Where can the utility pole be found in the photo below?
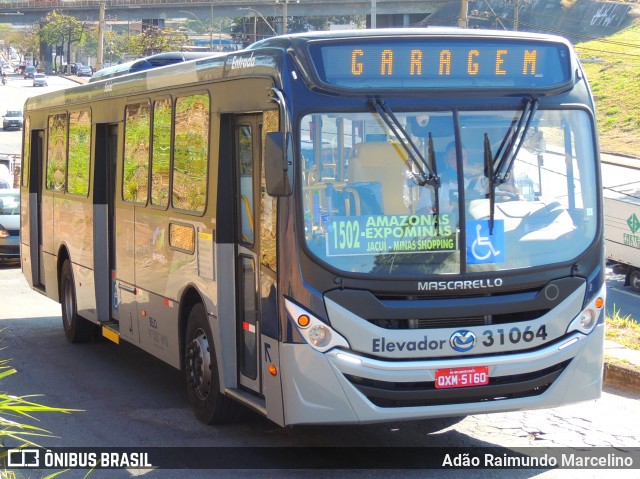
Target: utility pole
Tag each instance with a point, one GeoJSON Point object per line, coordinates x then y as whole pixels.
{"type": "Point", "coordinates": [516, 14]}
{"type": "Point", "coordinates": [255, 28]}
{"type": "Point", "coordinates": [100, 53]}
{"type": "Point", "coordinates": [374, 14]}
{"type": "Point", "coordinates": [211, 29]}
{"type": "Point", "coordinates": [284, 17]}
{"type": "Point", "coordinates": [463, 20]}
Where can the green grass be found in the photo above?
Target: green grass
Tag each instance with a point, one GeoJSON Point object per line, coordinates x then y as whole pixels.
{"type": "Point", "coordinates": [615, 82]}
{"type": "Point", "coordinates": [623, 330]}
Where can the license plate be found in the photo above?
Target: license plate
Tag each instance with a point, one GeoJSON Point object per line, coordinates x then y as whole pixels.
{"type": "Point", "coordinates": [462, 377]}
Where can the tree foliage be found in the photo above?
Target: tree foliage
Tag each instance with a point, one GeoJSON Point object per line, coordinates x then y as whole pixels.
{"type": "Point", "coordinates": [24, 41]}
{"type": "Point", "coordinates": [154, 40]}
{"type": "Point", "coordinates": [62, 30]}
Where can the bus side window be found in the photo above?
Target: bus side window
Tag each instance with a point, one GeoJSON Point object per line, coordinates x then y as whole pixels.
{"type": "Point", "coordinates": [191, 153]}
{"type": "Point", "coordinates": [137, 129]}
{"type": "Point", "coordinates": [161, 152]}
{"type": "Point", "coordinates": [57, 152]}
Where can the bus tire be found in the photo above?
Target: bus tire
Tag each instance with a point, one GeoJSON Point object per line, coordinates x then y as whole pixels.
{"type": "Point", "coordinates": [76, 328]}
{"type": "Point", "coordinates": [201, 373]}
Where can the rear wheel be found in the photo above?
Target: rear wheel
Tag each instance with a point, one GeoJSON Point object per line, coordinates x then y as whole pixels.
{"type": "Point", "coordinates": [634, 279]}
{"type": "Point", "coordinates": [201, 370]}
{"type": "Point", "coordinates": [76, 328]}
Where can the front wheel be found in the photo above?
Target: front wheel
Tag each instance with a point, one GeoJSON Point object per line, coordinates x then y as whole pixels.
{"type": "Point", "coordinates": [76, 328]}
{"type": "Point", "coordinates": [201, 371]}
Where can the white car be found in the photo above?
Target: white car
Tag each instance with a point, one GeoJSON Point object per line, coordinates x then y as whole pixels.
{"type": "Point", "coordinates": [9, 224]}
{"type": "Point", "coordinates": [12, 119]}
{"type": "Point", "coordinates": [40, 79]}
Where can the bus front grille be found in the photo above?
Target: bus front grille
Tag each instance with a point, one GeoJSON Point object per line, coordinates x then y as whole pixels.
{"type": "Point", "coordinates": [402, 394]}
{"type": "Point", "coordinates": [459, 322]}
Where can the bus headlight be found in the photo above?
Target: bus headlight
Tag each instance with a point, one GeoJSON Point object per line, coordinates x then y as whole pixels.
{"type": "Point", "coordinates": [589, 316]}
{"type": "Point", "coordinates": [319, 335]}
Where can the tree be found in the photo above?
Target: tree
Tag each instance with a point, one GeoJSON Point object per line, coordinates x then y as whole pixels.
{"type": "Point", "coordinates": [155, 40]}
{"type": "Point", "coordinates": [25, 42]}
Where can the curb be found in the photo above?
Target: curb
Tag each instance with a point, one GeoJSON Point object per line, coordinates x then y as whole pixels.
{"type": "Point", "coordinates": [621, 376]}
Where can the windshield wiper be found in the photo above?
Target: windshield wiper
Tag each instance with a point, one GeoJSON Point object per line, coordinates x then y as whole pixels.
{"type": "Point", "coordinates": [423, 172]}
{"type": "Point", "coordinates": [498, 169]}
{"type": "Point", "coordinates": [512, 142]}
{"type": "Point", "coordinates": [434, 169]}
{"type": "Point", "coordinates": [490, 174]}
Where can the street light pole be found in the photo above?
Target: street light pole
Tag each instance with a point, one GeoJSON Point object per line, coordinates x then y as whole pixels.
{"type": "Point", "coordinates": [210, 29]}
{"type": "Point", "coordinates": [100, 52]}
{"type": "Point", "coordinates": [261, 16]}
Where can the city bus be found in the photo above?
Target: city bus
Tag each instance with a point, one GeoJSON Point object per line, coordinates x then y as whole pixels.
{"type": "Point", "coordinates": [341, 227]}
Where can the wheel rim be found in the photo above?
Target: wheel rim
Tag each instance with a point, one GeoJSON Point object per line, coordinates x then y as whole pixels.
{"type": "Point", "coordinates": [198, 365]}
{"type": "Point", "coordinates": [67, 290]}
{"type": "Point", "coordinates": [635, 281]}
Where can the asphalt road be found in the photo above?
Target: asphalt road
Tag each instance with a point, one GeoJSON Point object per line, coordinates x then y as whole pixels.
{"type": "Point", "coordinates": [128, 399]}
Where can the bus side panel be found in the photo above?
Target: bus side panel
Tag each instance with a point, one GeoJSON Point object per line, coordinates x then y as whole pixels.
{"type": "Point", "coordinates": [272, 383]}
{"type": "Point", "coordinates": [73, 229]}
{"type": "Point", "coordinates": [27, 209]}
{"type": "Point", "coordinates": [158, 327]}
{"type": "Point", "coordinates": [125, 241]}
{"type": "Point", "coordinates": [85, 292]}
{"type": "Point", "coordinates": [49, 250]}
{"type": "Point", "coordinates": [225, 333]}
{"type": "Point", "coordinates": [164, 266]}
{"type": "Point", "coordinates": [101, 274]}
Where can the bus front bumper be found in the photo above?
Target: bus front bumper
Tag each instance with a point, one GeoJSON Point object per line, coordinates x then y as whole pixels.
{"type": "Point", "coordinates": [341, 387]}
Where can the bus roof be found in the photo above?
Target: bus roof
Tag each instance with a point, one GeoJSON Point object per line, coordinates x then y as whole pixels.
{"type": "Point", "coordinates": [146, 63]}
{"type": "Point", "coordinates": [264, 58]}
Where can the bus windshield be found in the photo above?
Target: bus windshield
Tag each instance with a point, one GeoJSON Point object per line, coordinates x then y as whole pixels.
{"type": "Point", "coordinates": [365, 209]}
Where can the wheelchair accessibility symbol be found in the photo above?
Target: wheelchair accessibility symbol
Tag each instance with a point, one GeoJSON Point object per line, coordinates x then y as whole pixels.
{"type": "Point", "coordinates": [483, 247]}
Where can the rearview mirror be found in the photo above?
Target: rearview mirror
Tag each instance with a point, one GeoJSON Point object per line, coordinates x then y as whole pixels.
{"type": "Point", "coordinates": [534, 142]}
{"type": "Point", "coordinates": [276, 164]}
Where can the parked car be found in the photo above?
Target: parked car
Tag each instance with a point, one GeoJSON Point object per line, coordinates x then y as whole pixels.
{"type": "Point", "coordinates": [6, 178]}
{"type": "Point", "coordinates": [40, 79]}
{"type": "Point", "coordinates": [7, 167]}
{"type": "Point", "coordinates": [9, 223]}
{"type": "Point", "coordinates": [85, 71]}
{"type": "Point", "coordinates": [29, 72]}
{"type": "Point", "coordinates": [12, 119]}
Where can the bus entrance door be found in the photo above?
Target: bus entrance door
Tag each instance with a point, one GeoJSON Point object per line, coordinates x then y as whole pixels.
{"type": "Point", "coordinates": [35, 209]}
{"type": "Point", "coordinates": [247, 168]}
{"type": "Point", "coordinates": [103, 223]}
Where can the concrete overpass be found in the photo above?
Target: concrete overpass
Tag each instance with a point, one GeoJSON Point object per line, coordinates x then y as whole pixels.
{"type": "Point", "coordinates": [388, 12]}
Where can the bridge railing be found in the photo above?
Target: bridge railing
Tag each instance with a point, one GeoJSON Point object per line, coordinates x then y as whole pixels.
{"type": "Point", "coordinates": [66, 4]}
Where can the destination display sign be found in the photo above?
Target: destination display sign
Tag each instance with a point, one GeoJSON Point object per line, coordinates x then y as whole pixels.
{"type": "Point", "coordinates": [394, 234]}
{"type": "Point", "coordinates": [439, 63]}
